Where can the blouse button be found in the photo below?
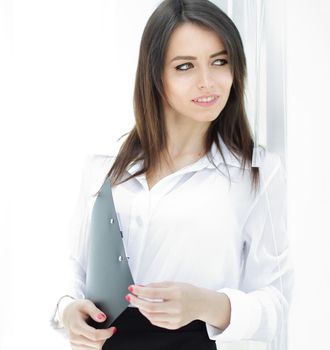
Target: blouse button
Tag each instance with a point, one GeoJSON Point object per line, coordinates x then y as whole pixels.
{"type": "Point", "coordinates": [139, 220]}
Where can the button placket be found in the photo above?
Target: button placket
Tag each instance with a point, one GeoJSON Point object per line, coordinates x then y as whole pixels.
{"type": "Point", "coordinates": [139, 221]}
{"type": "Point", "coordinates": [140, 213]}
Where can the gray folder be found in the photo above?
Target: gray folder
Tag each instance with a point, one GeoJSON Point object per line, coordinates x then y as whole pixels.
{"type": "Point", "coordinates": [108, 274]}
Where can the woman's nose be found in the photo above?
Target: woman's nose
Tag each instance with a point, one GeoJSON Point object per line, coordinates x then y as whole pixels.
{"type": "Point", "coordinates": [205, 79]}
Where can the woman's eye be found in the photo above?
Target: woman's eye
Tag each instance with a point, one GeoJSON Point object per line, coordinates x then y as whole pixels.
{"type": "Point", "coordinates": [179, 68]}
{"type": "Point", "coordinates": [223, 62]}
{"type": "Point", "coordinates": [182, 65]}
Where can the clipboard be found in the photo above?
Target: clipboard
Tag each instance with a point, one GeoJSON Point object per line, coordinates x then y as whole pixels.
{"type": "Point", "coordinates": [107, 274]}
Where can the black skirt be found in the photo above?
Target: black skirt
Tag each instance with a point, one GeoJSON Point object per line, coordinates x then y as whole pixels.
{"type": "Point", "coordinates": [135, 331]}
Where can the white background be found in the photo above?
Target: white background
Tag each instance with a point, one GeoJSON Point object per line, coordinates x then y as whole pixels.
{"type": "Point", "coordinates": [67, 71]}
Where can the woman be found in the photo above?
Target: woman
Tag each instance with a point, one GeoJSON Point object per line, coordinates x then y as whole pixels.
{"type": "Point", "coordinates": [216, 255]}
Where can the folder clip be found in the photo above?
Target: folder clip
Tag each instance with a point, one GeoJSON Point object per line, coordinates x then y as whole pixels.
{"type": "Point", "coordinates": [121, 258]}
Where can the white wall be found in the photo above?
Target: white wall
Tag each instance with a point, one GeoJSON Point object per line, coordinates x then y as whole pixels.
{"type": "Point", "coordinates": [64, 92]}
{"type": "Point", "coordinates": [309, 170]}
{"type": "Point", "coordinates": [66, 83]}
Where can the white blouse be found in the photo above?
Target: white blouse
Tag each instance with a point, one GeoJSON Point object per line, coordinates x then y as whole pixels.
{"type": "Point", "coordinates": [194, 227]}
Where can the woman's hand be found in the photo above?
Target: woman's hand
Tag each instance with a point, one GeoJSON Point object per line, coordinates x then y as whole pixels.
{"type": "Point", "coordinates": [182, 303]}
{"type": "Point", "coordinates": [81, 335]}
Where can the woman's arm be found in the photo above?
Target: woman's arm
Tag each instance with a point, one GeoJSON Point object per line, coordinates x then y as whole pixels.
{"type": "Point", "coordinates": [94, 169]}
{"type": "Point", "coordinates": [257, 309]}
{"type": "Point", "coordinates": [215, 308]}
{"type": "Point", "coordinates": [260, 306]}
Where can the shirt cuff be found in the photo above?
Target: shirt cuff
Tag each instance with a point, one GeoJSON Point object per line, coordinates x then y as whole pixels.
{"type": "Point", "coordinates": [57, 318]}
{"type": "Point", "coordinates": [62, 305]}
{"type": "Point", "coordinates": [245, 317]}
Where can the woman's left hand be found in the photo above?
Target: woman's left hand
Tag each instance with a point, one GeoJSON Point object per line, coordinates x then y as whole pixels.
{"type": "Point", "coordinates": [181, 303]}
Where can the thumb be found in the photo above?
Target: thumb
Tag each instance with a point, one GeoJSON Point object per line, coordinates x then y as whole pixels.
{"type": "Point", "coordinates": [95, 313]}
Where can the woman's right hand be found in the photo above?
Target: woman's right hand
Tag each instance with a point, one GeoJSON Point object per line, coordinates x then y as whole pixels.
{"type": "Point", "coordinates": [81, 335]}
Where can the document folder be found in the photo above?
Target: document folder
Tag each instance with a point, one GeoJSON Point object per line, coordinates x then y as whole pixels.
{"type": "Point", "coordinates": [107, 274]}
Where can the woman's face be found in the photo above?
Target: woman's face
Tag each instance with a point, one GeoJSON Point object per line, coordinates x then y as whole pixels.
{"type": "Point", "coordinates": [188, 78]}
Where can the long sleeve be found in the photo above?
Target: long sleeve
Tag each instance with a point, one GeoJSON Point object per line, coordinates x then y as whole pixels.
{"type": "Point", "coordinates": [260, 307]}
{"type": "Point", "coordinates": [75, 274]}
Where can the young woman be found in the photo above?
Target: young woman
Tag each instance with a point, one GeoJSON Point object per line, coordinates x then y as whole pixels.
{"type": "Point", "coordinates": [205, 231]}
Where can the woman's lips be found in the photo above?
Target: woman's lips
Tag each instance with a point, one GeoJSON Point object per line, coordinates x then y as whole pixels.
{"type": "Point", "coordinates": [206, 104]}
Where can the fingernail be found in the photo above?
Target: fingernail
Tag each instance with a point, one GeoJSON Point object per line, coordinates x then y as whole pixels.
{"type": "Point", "coordinates": [130, 288]}
{"type": "Point", "coordinates": [114, 330]}
{"type": "Point", "coordinates": [100, 316]}
{"type": "Point", "coordinates": [128, 298]}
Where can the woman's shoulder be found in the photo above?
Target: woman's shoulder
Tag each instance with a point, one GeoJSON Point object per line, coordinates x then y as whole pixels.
{"type": "Point", "coordinates": [272, 167]}
{"type": "Point", "coordinates": [95, 168]}
{"type": "Point", "coordinates": [268, 160]}
{"type": "Point", "coordinates": [97, 165]}
{"type": "Point", "coordinates": [97, 159]}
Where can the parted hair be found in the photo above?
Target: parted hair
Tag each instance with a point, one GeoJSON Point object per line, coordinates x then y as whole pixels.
{"type": "Point", "coordinates": [147, 139]}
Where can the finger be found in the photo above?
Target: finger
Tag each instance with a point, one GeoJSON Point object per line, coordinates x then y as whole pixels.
{"type": "Point", "coordinates": [80, 342]}
{"type": "Point", "coordinates": [77, 339]}
{"type": "Point", "coordinates": [89, 308]}
{"type": "Point", "coordinates": [82, 347]}
{"type": "Point", "coordinates": [166, 325]}
{"type": "Point", "coordinates": [168, 307]}
{"type": "Point", "coordinates": [161, 293]}
{"type": "Point", "coordinates": [160, 317]}
{"type": "Point", "coordinates": [164, 284]}
{"type": "Point", "coordinates": [159, 321]}
{"type": "Point", "coordinates": [82, 328]}
{"type": "Point", "coordinates": [152, 307]}
{"type": "Point", "coordinates": [145, 305]}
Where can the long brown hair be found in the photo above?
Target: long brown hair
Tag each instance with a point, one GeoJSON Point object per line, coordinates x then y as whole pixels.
{"type": "Point", "coordinates": [147, 139]}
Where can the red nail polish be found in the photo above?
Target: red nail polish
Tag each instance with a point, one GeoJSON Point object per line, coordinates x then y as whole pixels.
{"type": "Point", "coordinates": [114, 330]}
{"type": "Point", "coordinates": [130, 288]}
{"type": "Point", "coordinates": [128, 298]}
{"type": "Point", "coordinates": [100, 316]}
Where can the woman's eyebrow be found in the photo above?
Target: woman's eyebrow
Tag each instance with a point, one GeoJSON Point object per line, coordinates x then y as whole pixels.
{"type": "Point", "coordinates": [223, 52]}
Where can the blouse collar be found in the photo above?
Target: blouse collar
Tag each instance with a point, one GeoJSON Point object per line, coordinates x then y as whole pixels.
{"type": "Point", "coordinates": [203, 162]}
